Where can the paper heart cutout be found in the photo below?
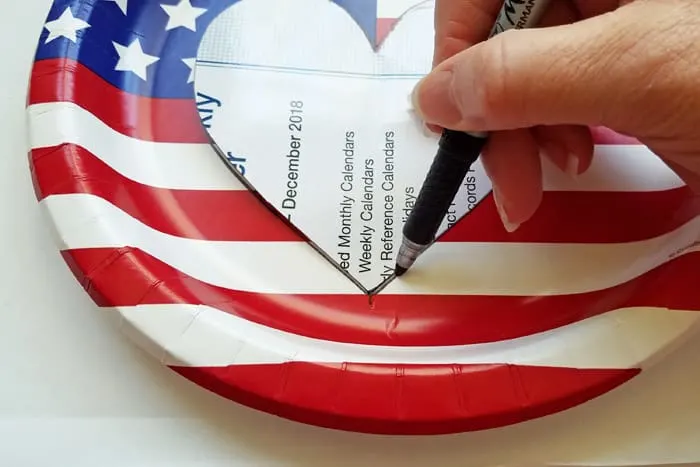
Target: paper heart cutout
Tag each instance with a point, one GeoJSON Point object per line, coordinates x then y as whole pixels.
{"type": "Point", "coordinates": [321, 126]}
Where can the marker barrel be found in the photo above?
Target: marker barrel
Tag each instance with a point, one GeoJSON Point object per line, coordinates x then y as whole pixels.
{"type": "Point", "coordinates": [456, 154]}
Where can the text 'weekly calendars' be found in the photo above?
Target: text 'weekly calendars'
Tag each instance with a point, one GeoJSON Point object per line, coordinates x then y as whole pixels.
{"type": "Point", "coordinates": [321, 125]}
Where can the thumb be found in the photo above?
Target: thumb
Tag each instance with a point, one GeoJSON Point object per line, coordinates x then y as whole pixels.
{"type": "Point", "coordinates": [593, 72]}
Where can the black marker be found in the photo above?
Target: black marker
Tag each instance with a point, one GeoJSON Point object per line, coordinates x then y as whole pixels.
{"type": "Point", "coordinates": [457, 151]}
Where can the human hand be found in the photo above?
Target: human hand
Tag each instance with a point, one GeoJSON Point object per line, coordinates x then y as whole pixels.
{"type": "Point", "coordinates": [632, 66]}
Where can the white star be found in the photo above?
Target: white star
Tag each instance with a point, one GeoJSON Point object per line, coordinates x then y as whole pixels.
{"type": "Point", "coordinates": [182, 15]}
{"type": "Point", "coordinates": [66, 26]}
{"type": "Point", "coordinates": [190, 64]}
{"type": "Point", "coordinates": [121, 4]}
{"type": "Point", "coordinates": [133, 59]}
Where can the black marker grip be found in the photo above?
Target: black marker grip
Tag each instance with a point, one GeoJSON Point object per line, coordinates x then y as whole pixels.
{"type": "Point", "coordinates": [456, 153]}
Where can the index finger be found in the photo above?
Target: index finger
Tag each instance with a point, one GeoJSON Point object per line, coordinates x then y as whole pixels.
{"type": "Point", "coordinates": [459, 24]}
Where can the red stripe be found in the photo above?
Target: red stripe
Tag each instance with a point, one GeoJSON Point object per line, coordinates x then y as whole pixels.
{"type": "Point", "coordinates": [166, 120]}
{"type": "Point", "coordinates": [129, 277]}
{"type": "Point", "coordinates": [198, 214]}
{"type": "Point", "coordinates": [407, 399]}
{"type": "Point", "coordinates": [564, 217]}
{"type": "Point", "coordinates": [584, 217]}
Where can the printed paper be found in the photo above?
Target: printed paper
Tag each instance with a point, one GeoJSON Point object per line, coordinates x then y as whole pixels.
{"type": "Point", "coordinates": [321, 124]}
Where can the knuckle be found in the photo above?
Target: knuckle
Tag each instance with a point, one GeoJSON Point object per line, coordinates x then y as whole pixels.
{"type": "Point", "coordinates": [494, 91]}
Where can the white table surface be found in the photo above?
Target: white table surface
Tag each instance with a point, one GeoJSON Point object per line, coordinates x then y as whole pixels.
{"type": "Point", "coordinates": [74, 391]}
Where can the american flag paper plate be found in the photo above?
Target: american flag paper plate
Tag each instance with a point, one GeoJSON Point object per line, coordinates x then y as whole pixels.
{"type": "Point", "coordinates": [598, 286]}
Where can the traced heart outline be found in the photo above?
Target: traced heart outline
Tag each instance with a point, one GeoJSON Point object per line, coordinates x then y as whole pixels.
{"type": "Point", "coordinates": [383, 25]}
{"type": "Point", "coordinates": [375, 55]}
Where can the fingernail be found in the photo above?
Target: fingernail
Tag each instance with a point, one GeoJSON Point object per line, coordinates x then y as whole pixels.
{"type": "Point", "coordinates": [432, 98]}
{"type": "Point", "coordinates": [509, 226]}
{"type": "Point", "coordinates": [572, 165]}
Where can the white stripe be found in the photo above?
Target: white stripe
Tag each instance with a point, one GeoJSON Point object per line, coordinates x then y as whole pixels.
{"type": "Point", "coordinates": [197, 166]}
{"type": "Point", "coordinates": [86, 221]}
{"type": "Point", "coordinates": [193, 335]}
{"type": "Point", "coordinates": [165, 165]}
{"type": "Point", "coordinates": [540, 269]}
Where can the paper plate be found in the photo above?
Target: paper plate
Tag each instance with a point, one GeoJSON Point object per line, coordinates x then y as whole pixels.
{"type": "Point", "coordinates": [490, 329]}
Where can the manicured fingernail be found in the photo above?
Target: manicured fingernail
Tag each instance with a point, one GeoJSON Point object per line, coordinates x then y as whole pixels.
{"type": "Point", "coordinates": [433, 101]}
{"type": "Point", "coordinates": [572, 165]}
{"type": "Point", "coordinates": [509, 226]}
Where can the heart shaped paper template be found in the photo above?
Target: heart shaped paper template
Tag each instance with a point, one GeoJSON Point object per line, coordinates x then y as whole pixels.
{"type": "Point", "coordinates": [318, 121]}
